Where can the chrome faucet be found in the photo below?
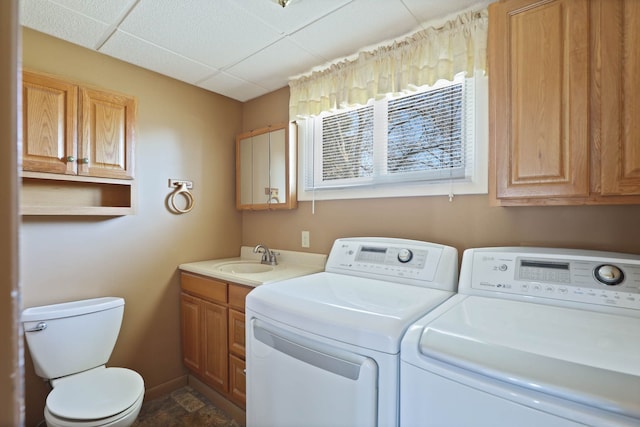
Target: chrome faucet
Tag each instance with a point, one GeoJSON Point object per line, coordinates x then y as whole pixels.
{"type": "Point", "coordinates": [268, 256]}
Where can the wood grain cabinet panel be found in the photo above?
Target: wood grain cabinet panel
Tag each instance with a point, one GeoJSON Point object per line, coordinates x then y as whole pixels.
{"type": "Point", "coordinates": [190, 315]}
{"type": "Point", "coordinates": [539, 97]}
{"type": "Point", "coordinates": [236, 333]}
{"type": "Point", "coordinates": [49, 124]}
{"type": "Point", "coordinates": [76, 130]}
{"type": "Point", "coordinates": [564, 125]}
{"type": "Point", "coordinates": [237, 381]}
{"type": "Point", "coordinates": [617, 31]}
{"type": "Point", "coordinates": [213, 333]}
{"type": "Point", "coordinates": [216, 367]}
{"type": "Point", "coordinates": [106, 134]}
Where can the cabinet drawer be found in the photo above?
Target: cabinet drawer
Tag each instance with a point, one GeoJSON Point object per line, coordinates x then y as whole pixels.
{"type": "Point", "coordinates": [237, 295]}
{"type": "Point", "coordinates": [209, 289]}
{"type": "Point", "coordinates": [236, 333]}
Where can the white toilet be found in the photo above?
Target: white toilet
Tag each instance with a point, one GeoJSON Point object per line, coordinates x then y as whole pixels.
{"type": "Point", "coordinates": [70, 344]}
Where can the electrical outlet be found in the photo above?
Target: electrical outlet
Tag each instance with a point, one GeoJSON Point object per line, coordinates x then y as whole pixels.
{"type": "Point", "coordinates": [305, 239]}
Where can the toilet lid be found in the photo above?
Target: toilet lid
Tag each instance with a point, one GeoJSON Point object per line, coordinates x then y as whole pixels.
{"type": "Point", "coordinates": [94, 394]}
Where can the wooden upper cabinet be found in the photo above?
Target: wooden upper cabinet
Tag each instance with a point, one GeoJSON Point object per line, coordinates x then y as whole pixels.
{"type": "Point", "coordinates": [106, 134]}
{"type": "Point", "coordinates": [539, 98]}
{"type": "Point", "coordinates": [616, 104]}
{"type": "Point", "coordinates": [75, 130]}
{"type": "Point", "coordinates": [49, 124]}
{"type": "Point", "coordinates": [564, 125]}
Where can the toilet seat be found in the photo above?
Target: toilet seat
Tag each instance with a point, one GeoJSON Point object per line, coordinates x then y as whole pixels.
{"type": "Point", "coordinates": [123, 419]}
{"type": "Point", "coordinates": [95, 395]}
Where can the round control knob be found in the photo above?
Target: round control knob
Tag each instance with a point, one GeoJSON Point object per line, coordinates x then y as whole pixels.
{"type": "Point", "coordinates": [608, 274]}
{"type": "Point", "coordinates": [405, 255]}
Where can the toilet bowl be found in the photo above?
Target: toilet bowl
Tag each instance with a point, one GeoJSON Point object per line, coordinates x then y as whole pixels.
{"type": "Point", "coordinates": [70, 344]}
{"type": "Point", "coordinates": [98, 397]}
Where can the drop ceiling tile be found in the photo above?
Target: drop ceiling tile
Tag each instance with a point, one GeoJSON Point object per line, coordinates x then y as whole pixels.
{"type": "Point", "coordinates": [233, 87]}
{"type": "Point", "coordinates": [146, 55]}
{"type": "Point", "coordinates": [272, 67]}
{"type": "Point", "coordinates": [297, 14]}
{"type": "Point", "coordinates": [437, 10]}
{"type": "Point", "coordinates": [359, 24]}
{"type": "Point", "coordinates": [55, 20]}
{"type": "Point", "coordinates": [216, 33]}
{"type": "Point", "coordinates": [104, 11]}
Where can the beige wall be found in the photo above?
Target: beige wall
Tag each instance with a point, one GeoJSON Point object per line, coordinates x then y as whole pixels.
{"type": "Point", "coordinates": [466, 222]}
{"type": "Point", "coordinates": [11, 388]}
{"type": "Point", "coordinates": [182, 132]}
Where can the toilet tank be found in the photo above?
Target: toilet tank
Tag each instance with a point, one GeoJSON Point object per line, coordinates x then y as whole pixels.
{"type": "Point", "coordinates": [71, 337]}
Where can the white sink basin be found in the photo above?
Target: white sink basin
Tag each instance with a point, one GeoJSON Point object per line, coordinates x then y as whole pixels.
{"type": "Point", "coordinates": [244, 267]}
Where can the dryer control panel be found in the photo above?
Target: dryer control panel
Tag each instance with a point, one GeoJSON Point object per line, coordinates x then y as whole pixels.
{"type": "Point", "coordinates": [397, 260]}
{"type": "Point", "coordinates": [592, 277]}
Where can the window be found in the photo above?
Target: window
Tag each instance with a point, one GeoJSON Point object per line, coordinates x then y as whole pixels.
{"type": "Point", "coordinates": [425, 143]}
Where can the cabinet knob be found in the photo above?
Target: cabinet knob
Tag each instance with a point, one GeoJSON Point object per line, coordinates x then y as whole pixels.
{"type": "Point", "coordinates": [84, 161]}
{"type": "Point", "coordinates": [71, 159]}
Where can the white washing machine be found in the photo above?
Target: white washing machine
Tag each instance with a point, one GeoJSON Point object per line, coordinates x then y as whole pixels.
{"type": "Point", "coordinates": [534, 337]}
{"type": "Point", "coordinates": [323, 350]}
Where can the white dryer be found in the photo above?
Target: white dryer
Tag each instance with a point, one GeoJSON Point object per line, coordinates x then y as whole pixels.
{"type": "Point", "coordinates": [534, 337]}
{"type": "Point", "coordinates": [323, 350]}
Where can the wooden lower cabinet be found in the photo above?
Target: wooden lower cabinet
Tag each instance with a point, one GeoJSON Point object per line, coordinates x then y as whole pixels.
{"type": "Point", "coordinates": [214, 334]}
{"type": "Point", "coordinates": [190, 330]}
{"type": "Point", "coordinates": [212, 328]}
{"type": "Point", "coordinates": [237, 380]}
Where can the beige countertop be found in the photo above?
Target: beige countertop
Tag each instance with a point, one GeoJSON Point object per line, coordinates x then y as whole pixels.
{"type": "Point", "coordinates": [290, 264]}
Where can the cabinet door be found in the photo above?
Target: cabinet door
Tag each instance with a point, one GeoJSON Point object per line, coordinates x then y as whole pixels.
{"type": "Point", "coordinates": [236, 333]}
{"type": "Point", "coordinates": [190, 314]}
{"type": "Point", "coordinates": [265, 168]}
{"type": "Point", "coordinates": [106, 146]}
{"type": "Point", "coordinates": [237, 381]}
{"type": "Point", "coordinates": [539, 90]}
{"type": "Point", "coordinates": [617, 31]}
{"type": "Point", "coordinates": [49, 119]}
{"type": "Point", "coordinates": [260, 167]}
{"type": "Point", "coordinates": [214, 323]}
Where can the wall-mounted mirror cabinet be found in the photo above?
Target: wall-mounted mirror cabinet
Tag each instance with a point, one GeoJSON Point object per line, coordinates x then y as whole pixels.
{"type": "Point", "coordinates": [266, 168]}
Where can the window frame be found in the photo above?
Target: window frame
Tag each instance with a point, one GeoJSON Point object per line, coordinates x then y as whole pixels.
{"type": "Point", "coordinates": [475, 183]}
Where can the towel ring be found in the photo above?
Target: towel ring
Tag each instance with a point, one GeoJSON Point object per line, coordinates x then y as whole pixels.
{"type": "Point", "coordinates": [182, 189]}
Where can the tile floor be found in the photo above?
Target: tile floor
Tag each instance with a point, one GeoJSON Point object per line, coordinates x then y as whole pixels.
{"type": "Point", "coordinates": [184, 407]}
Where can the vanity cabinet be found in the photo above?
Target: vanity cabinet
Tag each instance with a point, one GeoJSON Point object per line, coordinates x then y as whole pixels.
{"type": "Point", "coordinates": [77, 145]}
{"type": "Point", "coordinates": [265, 168]}
{"type": "Point", "coordinates": [212, 330]}
{"type": "Point", "coordinates": [561, 131]}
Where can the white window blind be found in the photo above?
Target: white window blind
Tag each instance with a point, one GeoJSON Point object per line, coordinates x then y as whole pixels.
{"type": "Point", "coordinates": [423, 137]}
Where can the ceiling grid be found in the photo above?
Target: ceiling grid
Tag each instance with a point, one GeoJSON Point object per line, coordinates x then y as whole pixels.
{"type": "Point", "coordinates": [238, 48]}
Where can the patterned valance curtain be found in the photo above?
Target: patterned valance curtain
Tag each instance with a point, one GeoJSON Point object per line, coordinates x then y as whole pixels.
{"type": "Point", "coordinates": [420, 59]}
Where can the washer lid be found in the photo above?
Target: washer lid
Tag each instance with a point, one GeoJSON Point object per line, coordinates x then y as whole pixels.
{"type": "Point", "coordinates": [584, 356]}
{"type": "Point", "coordinates": [363, 312]}
{"type": "Point", "coordinates": [95, 394]}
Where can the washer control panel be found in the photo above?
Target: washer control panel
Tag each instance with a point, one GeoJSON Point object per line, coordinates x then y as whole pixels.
{"type": "Point", "coordinates": [397, 260]}
{"type": "Point", "coordinates": [580, 276]}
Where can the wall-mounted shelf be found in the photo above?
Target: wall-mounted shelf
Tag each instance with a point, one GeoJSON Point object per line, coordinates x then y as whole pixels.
{"type": "Point", "coordinates": [53, 194]}
{"type": "Point", "coordinates": [77, 148]}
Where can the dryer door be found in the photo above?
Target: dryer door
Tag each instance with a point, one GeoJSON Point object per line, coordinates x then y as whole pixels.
{"type": "Point", "coordinates": [295, 381]}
